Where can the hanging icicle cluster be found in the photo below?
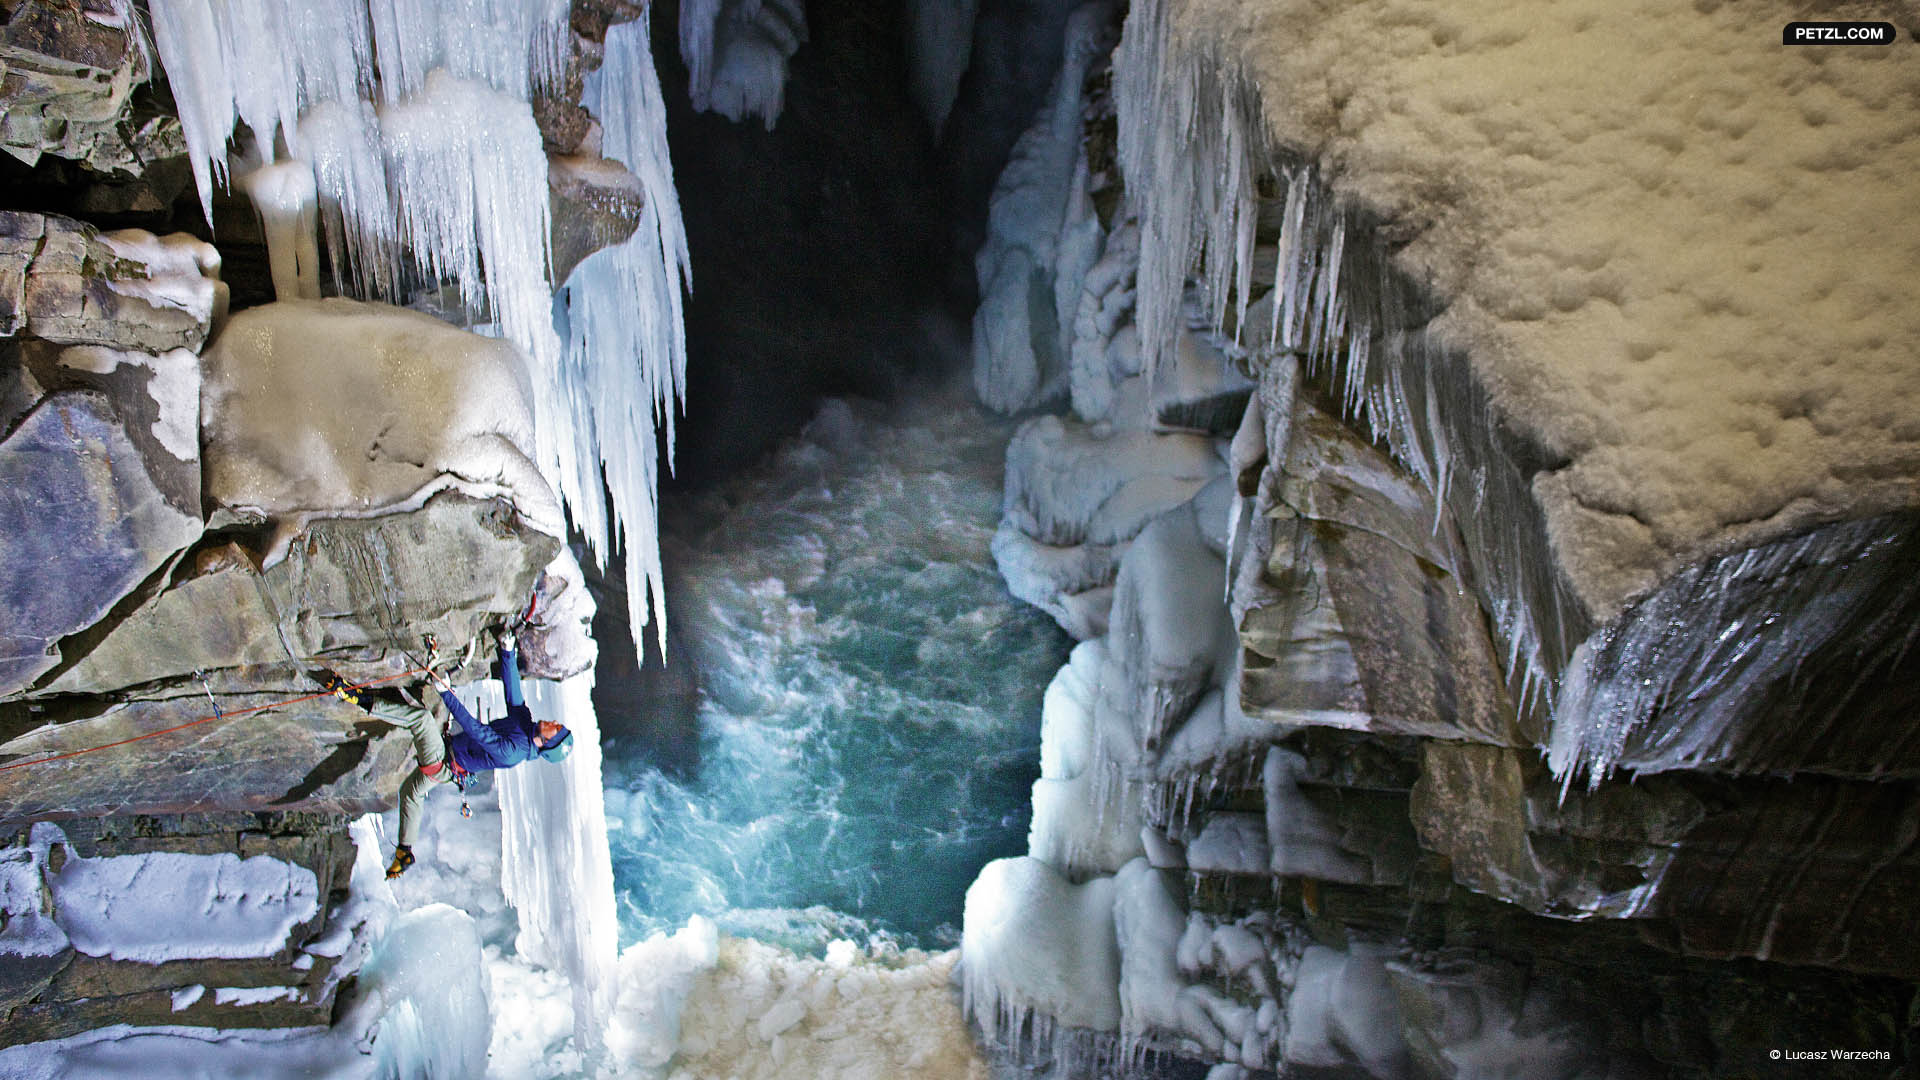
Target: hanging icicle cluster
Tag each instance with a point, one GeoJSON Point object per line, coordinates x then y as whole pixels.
{"type": "Point", "coordinates": [414, 116]}
{"type": "Point", "coordinates": [626, 350]}
{"type": "Point", "coordinates": [1193, 147]}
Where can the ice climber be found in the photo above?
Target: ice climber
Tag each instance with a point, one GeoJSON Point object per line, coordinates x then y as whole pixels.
{"type": "Point", "coordinates": [475, 748]}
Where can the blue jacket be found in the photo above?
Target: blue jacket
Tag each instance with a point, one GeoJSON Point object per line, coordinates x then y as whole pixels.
{"type": "Point", "coordinates": [506, 742]}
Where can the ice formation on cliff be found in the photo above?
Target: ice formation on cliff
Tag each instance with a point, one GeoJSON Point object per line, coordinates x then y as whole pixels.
{"type": "Point", "coordinates": [1042, 237]}
{"type": "Point", "coordinates": [555, 867]}
{"type": "Point", "coordinates": [616, 415]}
{"type": "Point", "coordinates": [736, 53]}
{"type": "Point", "coordinates": [939, 46]}
{"type": "Point", "coordinates": [446, 179]}
{"type": "Point", "coordinates": [1697, 396]}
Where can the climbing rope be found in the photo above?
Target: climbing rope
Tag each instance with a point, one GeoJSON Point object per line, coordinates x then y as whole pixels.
{"type": "Point", "coordinates": [217, 715]}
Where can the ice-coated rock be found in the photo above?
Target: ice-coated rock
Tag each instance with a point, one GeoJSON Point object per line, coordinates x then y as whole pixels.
{"type": "Point", "coordinates": [1230, 843]}
{"type": "Point", "coordinates": [1042, 238]}
{"type": "Point", "coordinates": [1343, 1012]}
{"type": "Point", "coordinates": [335, 407]}
{"type": "Point", "coordinates": [67, 282]}
{"type": "Point", "coordinates": [736, 53]}
{"type": "Point", "coordinates": [1474, 1019]}
{"type": "Point", "coordinates": [557, 642]}
{"type": "Point", "coordinates": [1201, 388]}
{"type": "Point", "coordinates": [1087, 812]}
{"type": "Point", "coordinates": [1075, 496]}
{"type": "Point", "coordinates": [1169, 623]}
{"type": "Point", "coordinates": [1035, 946]}
{"type": "Point", "coordinates": [1744, 867]}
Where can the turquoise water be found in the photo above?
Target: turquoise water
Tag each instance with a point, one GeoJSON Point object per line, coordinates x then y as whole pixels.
{"type": "Point", "coordinates": [869, 717]}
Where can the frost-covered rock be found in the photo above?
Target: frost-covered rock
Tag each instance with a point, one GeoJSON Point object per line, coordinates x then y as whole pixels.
{"type": "Point", "coordinates": [1201, 389]}
{"type": "Point", "coordinates": [67, 282]}
{"type": "Point", "coordinates": [1484, 545]}
{"type": "Point", "coordinates": [190, 921]}
{"type": "Point", "coordinates": [1042, 238]}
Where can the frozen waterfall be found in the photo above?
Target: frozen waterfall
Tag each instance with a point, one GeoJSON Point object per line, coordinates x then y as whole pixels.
{"type": "Point", "coordinates": [414, 119]}
{"type": "Point", "coordinates": [555, 868]}
{"type": "Point", "coordinates": [616, 417]}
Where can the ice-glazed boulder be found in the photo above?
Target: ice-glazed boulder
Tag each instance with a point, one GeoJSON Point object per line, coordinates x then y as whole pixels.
{"type": "Point", "coordinates": [341, 408]}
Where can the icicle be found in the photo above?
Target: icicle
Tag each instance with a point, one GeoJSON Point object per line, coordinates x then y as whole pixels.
{"type": "Point", "coordinates": [626, 356]}
{"type": "Point", "coordinates": [465, 162]}
{"type": "Point", "coordinates": [285, 198]}
{"type": "Point", "coordinates": [342, 141]}
{"type": "Point", "coordinates": [513, 46]}
{"type": "Point", "coordinates": [188, 40]}
{"type": "Point", "coordinates": [556, 869]}
{"type": "Point", "coordinates": [939, 44]}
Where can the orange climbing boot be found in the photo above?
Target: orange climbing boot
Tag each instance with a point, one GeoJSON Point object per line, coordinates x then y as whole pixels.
{"type": "Point", "coordinates": [331, 682]}
{"type": "Point", "coordinates": [402, 858]}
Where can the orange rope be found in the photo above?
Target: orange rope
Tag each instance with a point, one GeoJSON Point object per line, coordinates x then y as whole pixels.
{"type": "Point", "coordinates": [208, 719]}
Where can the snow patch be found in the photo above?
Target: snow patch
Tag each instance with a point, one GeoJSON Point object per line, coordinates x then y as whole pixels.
{"type": "Point", "coordinates": [164, 906]}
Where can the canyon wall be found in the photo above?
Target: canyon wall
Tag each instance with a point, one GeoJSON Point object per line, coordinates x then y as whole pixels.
{"type": "Point", "coordinates": [211, 501]}
{"type": "Point", "coordinates": [1496, 605]}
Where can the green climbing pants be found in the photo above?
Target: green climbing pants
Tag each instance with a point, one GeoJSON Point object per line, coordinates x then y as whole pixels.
{"type": "Point", "coordinates": [430, 746]}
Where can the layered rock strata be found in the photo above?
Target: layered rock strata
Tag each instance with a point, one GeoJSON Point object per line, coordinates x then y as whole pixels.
{"type": "Point", "coordinates": [205, 512]}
